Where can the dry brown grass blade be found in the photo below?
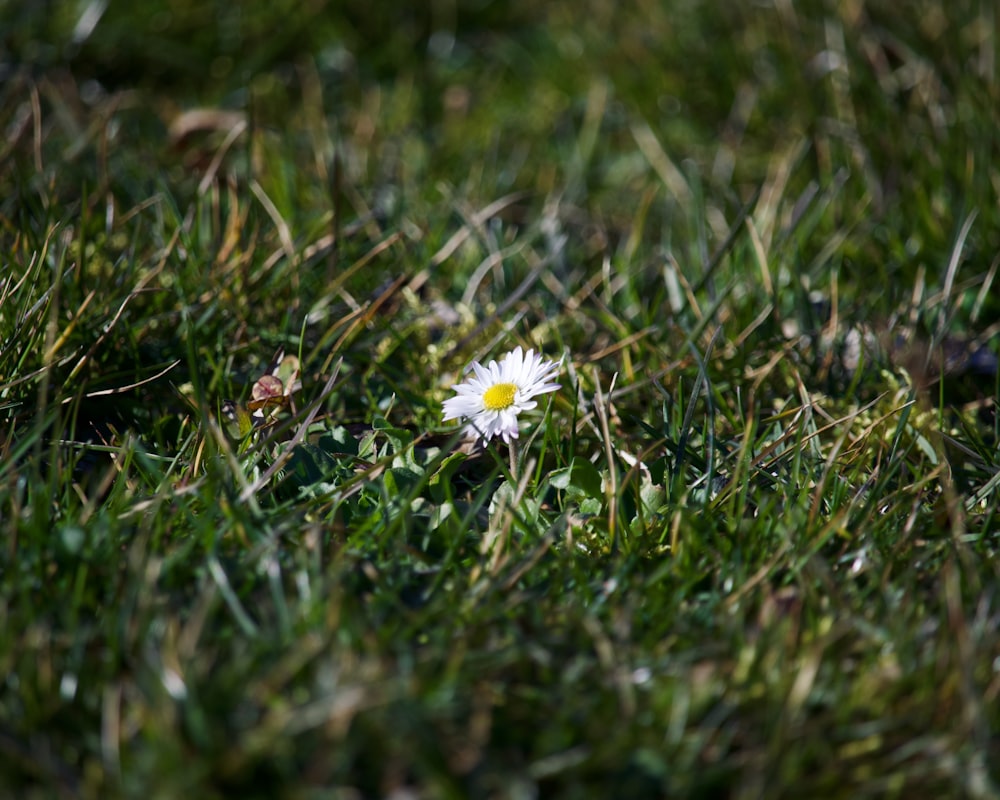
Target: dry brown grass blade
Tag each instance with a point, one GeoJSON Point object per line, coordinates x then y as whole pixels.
{"type": "Point", "coordinates": [127, 388]}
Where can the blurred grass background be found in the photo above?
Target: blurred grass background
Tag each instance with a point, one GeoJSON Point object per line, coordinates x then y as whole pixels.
{"type": "Point", "coordinates": [890, 110]}
{"type": "Point", "coordinates": [191, 186]}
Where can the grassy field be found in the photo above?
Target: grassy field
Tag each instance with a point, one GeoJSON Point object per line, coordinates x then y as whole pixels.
{"type": "Point", "coordinates": [748, 549]}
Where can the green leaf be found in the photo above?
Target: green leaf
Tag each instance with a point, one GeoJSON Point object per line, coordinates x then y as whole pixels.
{"type": "Point", "coordinates": [309, 464]}
{"type": "Point", "coordinates": [579, 478]}
{"type": "Point", "coordinates": [339, 441]}
{"type": "Point", "coordinates": [400, 442]}
{"type": "Point", "coordinates": [440, 481]}
{"type": "Point", "coordinates": [400, 480]}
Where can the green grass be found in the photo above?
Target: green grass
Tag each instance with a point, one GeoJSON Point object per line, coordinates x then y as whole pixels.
{"type": "Point", "coordinates": [749, 549]}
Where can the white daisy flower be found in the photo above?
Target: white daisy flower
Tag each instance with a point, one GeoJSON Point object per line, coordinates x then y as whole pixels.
{"type": "Point", "coordinates": [492, 398]}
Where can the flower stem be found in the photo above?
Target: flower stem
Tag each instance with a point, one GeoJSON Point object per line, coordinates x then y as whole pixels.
{"type": "Point", "coordinates": [512, 452]}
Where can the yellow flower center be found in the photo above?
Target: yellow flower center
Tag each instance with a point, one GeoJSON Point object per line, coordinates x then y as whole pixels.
{"type": "Point", "coordinates": [499, 396]}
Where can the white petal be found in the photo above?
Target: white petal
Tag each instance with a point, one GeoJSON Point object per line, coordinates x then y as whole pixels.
{"type": "Point", "coordinates": [482, 373]}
